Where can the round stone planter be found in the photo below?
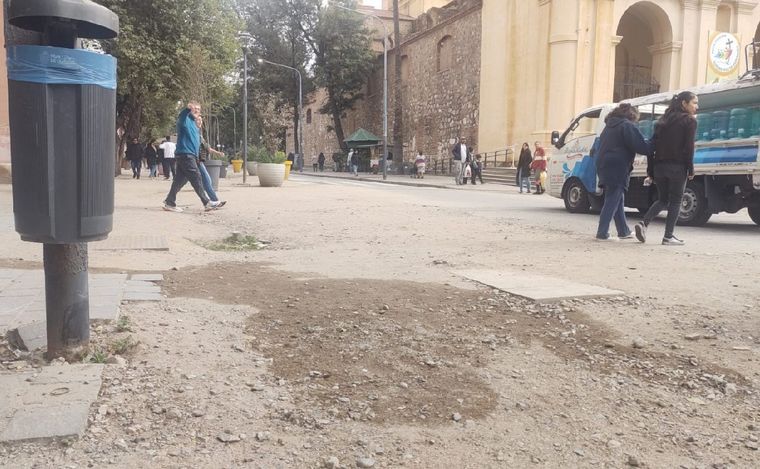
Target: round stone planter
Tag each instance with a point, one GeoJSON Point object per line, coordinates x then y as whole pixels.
{"type": "Point", "coordinates": [271, 174]}
{"type": "Point", "coordinates": [250, 166]}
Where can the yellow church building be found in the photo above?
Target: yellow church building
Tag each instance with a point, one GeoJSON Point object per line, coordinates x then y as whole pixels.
{"type": "Point", "coordinates": [542, 61]}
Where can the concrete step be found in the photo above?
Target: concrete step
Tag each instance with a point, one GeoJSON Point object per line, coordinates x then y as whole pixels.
{"type": "Point", "coordinates": [497, 175]}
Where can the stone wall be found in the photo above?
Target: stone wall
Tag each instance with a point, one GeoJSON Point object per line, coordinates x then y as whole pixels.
{"type": "Point", "coordinates": [440, 102]}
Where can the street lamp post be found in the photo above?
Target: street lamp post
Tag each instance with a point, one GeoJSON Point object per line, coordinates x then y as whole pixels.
{"type": "Point", "coordinates": [385, 83]}
{"type": "Point", "coordinates": [245, 38]}
{"type": "Point", "coordinates": [300, 104]}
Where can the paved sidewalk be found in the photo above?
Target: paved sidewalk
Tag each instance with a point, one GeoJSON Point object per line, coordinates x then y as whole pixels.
{"type": "Point", "coordinates": [438, 182]}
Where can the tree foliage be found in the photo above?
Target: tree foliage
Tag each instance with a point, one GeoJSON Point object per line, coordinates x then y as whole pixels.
{"type": "Point", "coordinates": [169, 52]}
{"type": "Point", "coordinates": [329, 45]}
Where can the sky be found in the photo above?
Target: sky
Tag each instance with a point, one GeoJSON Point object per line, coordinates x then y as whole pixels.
{"type": "Point", "coordinates": [374, 3]}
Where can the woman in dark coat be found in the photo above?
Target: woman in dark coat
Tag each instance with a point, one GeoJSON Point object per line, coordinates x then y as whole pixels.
{"type": "Point", "coordinates": [523, 167]}
{"type": "Point", "coordinates": [151, 158]}
{"type": "Point", "coordinates": [672, 163]}
{"type": "Point", "coordinates": [621, 139]}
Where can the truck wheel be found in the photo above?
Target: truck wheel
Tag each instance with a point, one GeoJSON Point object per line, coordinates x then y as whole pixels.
{"type": "Point", "coordinates": [754, 214]}
{"type": "Point", "coordinates": [576, 197]}
{"type": "Point", "coordinates": [694, 211]}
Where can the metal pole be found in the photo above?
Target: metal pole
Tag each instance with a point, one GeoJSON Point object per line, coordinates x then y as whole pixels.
{"type": "Point", "coordinates": [385, 101]}
{"type": "Point", "coordinates": [245, 113]}
{"type": "Point", "coordinates": [67, 303]}
{"type": "Point", "coordinates": [234, 133]}
{"type": "Point", "coordinates": [300, 121]}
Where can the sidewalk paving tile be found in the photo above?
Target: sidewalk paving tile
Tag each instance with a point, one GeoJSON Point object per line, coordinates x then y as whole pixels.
{"type": "Point", "coordinates": [538, 288]}
{"type": "Point", "coordinates": [54, 404]}
{"type": "Point", "coordinates": [148, 277]}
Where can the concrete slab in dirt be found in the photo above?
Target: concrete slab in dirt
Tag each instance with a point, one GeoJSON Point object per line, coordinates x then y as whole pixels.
{"type": "Point", "coordinates": [148, 277]}
{"type": "Point", "coordinates": [536, 287]}
{"type": "Point", "coordinates": [29, 336]}
{"type": "Point", "coordinates": [132, 243]}
{"type": "Point", "coordinates": [53, 404]}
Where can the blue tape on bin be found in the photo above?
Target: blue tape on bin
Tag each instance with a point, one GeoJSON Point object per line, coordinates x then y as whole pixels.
{"type": "Point", "coordinates": [59, 66]}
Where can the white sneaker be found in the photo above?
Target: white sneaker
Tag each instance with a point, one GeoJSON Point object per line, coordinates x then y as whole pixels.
{"type": "Point", "coordinates": [172, 208]}
{"type": "Point", "coordinates": [212, 205]}
{"type": "Point", "coordinates": [609, 238]}
{"type": "Point", "coordinates": [673, 241]}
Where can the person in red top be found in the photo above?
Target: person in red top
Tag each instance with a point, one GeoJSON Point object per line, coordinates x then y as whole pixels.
{"type": "Point", "coordinates": [539, 166]}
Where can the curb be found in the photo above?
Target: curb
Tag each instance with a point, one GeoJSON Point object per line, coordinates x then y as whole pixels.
{"type": "Point", "coordinates": [398, 183]}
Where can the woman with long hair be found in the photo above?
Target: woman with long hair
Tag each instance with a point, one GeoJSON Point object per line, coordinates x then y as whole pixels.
{"type": "Point", "coordinates": [523, 167]}
{"type": "Point", "coordinates": [672, 163]}
{"type": "Point", "coordinates": [619, 142]}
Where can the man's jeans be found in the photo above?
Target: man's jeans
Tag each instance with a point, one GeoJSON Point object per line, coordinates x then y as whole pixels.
{"type": "Point", "coordinates": [614, 207]}
{"type": "Point", "coordinates": [458, 171]}
{"type": "Point", "coordinates": [169, 167]}
{"type": "Point", "coordinates": [136, 167]}
{"type": "Point", "coordinates": [355, 169]}
{"type": "Point", "coordinates": [523, 179]}
{"type": "Point", "coordinates": [671, 182]}
{"type": "Point", "coordinates": [187, 170]}
{"type": "Point", "coordinates": [207, 185]}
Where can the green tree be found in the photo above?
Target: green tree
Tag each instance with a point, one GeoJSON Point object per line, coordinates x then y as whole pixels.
{"type": "Point", "coordinates": [343, 59]}
{"type": "Point", "coordinates": [157, 45]}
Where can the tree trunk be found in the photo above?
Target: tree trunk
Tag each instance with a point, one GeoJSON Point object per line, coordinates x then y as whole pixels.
{"type": "Point", "coordinates": [296, 140]}
{"type": "Point", "coordinates": [338, 126]}
{"type": "Point", "coordinates": [398, 116]}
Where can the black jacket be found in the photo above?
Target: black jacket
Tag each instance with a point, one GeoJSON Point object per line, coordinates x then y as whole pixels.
{"type": "Point", "coordinates": [619, 142]}
{"type": "Point", "coordinates": [524, 162]}
{"type": "Point", "coordinates": [151, 156]}
{"type": "Point", "coordinates": [134, 152]}
{"type": "Point", "coordinates": [674, 142]}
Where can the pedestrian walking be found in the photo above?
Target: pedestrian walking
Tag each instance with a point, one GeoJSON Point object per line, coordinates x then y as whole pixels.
{"type": "Point", "coordinates": [420, 163]}
{"type": "Point", "coordinates": [337, 163]}
{"type": "Point", "coordinates": [523, 168]}
{"type": "Point", "coordinates": [187, 151]}
{"type": "Point", "coordinates": [314, 163]}
{"type": "Point", "coordinates": [321, 162]}
{"type": "Point", "coordinates": [539, 167]}
{"type": "Point", "coordinates": [170, 165]}
{"type": "Point", "coordinates": [618, 144]}
{"type": "Point", "coordinates": [348, 160]}
{"type": "Point", "coordinates": [461, 153]}
{"type": "Point", "coordinates": [672, 163]}
{"type": "Point", "coordinates": [354, 158]}
{"type": "Point", "coordinates": [151, 158]}
{"type": "Point", "coordinates": [134, 154]}
{"type": "Point", "coordinates": [477, 169]}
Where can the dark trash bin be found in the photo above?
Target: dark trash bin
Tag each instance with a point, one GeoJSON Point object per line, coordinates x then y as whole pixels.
{"type": "Point", "coordinates": [214, 168]}
{"type": "Point", "coordinates": [62, 107]}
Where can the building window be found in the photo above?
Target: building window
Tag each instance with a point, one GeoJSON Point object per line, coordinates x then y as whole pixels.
{"type": "Point", "coordinates": [308, 116]}
{"type": "Point", "coordinates": [404, 68]}
{"type": "Point", "coordinates": [444, 56]}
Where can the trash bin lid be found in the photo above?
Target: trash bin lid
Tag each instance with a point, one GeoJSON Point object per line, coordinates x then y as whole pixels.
{"type": "Point", "coordinates": [93, 21]}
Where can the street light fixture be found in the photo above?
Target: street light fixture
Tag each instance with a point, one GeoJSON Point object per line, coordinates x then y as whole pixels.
{"type": "Point", "coordinates": [300, 106]}
{"type": "Point", "coordinates": [245, 38]}
{"type": "Point", "coordinates": [385, 82]}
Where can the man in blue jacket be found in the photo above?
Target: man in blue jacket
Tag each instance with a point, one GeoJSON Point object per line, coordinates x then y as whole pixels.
{"type": "Point", "coordinates": [188, 148]}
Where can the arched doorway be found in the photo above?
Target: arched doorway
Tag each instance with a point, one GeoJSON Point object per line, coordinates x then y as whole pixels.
{"type": "Point", "coordinates": [643, 57]}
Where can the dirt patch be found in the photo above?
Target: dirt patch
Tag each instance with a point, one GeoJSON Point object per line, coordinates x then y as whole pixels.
{"type": "Point", "coordinates": [396, 352]}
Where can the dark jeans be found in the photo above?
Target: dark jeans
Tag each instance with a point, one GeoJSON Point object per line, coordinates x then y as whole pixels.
{"type": "Point", "coordinates": [614, 208]}
{"type": "Point", "coordinates": [136, 167]}
{"type": "Point", "coordinates": [169, 167]}
{"type": "Point", "coordinates": [671, 182]}
{"type": "Point", "coordinates": [321, 167]}
{"type": "Point", "coordinates": [187, 170]}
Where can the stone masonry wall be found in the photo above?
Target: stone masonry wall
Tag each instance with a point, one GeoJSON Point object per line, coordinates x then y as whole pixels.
{"type": "Point", "coordinates": [439, 104]}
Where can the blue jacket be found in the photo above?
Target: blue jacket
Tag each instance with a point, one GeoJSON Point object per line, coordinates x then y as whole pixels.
{"type": "Point", "coordinates": [188, 135]}
{"type": "Point", "coordinates": [619, 143]}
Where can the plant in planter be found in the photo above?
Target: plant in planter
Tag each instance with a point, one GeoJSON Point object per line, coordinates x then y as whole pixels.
{"type": "Point", "coordinates": [270, 168]}
{"type": "Point", "coordinates": [223, 161]}
{"type": "Point", "coordinates": [254, 155]}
